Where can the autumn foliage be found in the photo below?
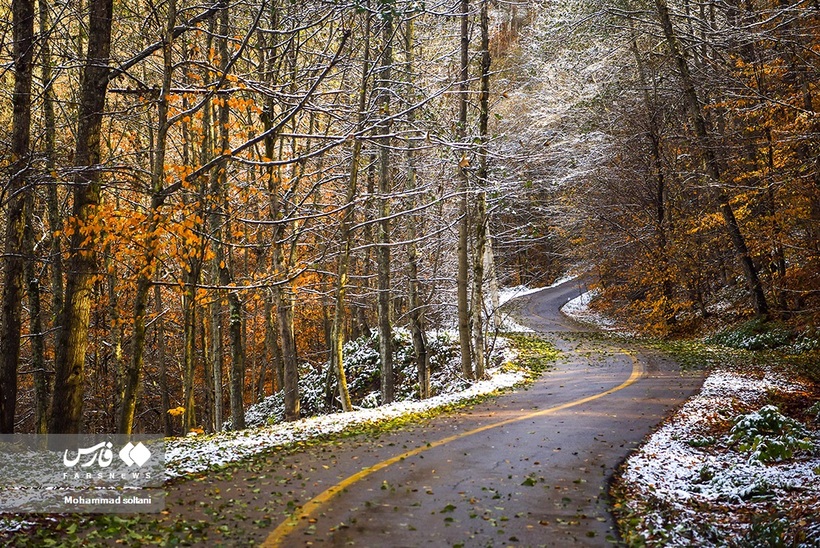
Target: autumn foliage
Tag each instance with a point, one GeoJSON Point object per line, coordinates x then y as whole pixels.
{"type": "Point", "coordinates": [653, 221]}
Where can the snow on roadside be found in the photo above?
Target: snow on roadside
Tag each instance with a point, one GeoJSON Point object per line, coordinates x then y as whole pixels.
{"type": "Point", "coordinates": [508, 293]}
{"type": "Point", "coordinates": [578, 309]}
{"type": "Point", "coordinates": [201, 453]}
{"type": "Point", "coordinates": [696, 487]}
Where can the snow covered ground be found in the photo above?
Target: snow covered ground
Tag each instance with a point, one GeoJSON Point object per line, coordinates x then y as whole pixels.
{"type": "Point", "coordinates": [200, 453]}
{"type": "Point", "coordinates": [695, 483]}
{"type": "Point", "coordinates": [578, 309]}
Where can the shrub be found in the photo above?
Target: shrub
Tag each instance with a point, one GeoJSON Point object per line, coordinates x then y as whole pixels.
{"type": "Point", "coordinates": [770, 436]}
{"type": "Point", "coordinates": [754, 335]}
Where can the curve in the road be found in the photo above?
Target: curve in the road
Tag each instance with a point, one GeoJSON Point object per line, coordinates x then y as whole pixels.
{"type": "Point", "coordinates": [279, 535]}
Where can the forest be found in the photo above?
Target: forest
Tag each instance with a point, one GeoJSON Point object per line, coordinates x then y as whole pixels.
{"type": "Point", "coordinates": [202, 203]}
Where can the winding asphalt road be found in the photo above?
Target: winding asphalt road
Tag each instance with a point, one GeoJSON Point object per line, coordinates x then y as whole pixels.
{"type": "Point", "coordinates": [529, 468]}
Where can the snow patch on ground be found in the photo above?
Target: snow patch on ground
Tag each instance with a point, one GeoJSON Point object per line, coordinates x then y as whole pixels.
{"type": "Point", "coordinates": [508, 293]}
{"type": "Point", "coordinates": [201, 453]}
{"type": "Point", "coordinates": [578, 309]}
{"type": "Point", "coordinates": [699, 486]}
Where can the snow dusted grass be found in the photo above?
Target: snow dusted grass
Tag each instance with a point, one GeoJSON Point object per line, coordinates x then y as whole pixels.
{"type": "Point", "coordinates": [694, 484]}
{"type": "Point", "coordinates": [197, 454]}
{"type": "Point", "coordinates": [201, 453]}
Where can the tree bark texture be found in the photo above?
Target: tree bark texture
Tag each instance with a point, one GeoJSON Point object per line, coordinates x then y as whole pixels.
{"type": "Point", "coordinates": [16, 206]}
{"type": "Point", "coordinates": [414, 297]}
{"type": "Point", "coordinates": [67, 404]}
{"type": "Point", "coordinates": [383, 249]}
{"type": "Point", "coordinates": [462, 277]}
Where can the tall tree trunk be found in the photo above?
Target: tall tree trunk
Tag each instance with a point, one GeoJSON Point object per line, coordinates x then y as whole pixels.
{"type": "Point", "coordinates": [67, 404]}
{"type": "Point", "coordinates": [189, 347]}
{"type": "Point", "coordinates": [414, 286]}
{"type": "Point", "coordinates": [43, 384]}
{"type": "Point", "coordinates": [273, 347]}
{"type": "Point", "coordinates": [17, 212]}
{"type": "Point", "coordinates": [282, 302]}
{"type": "Point", "coordinates": [284, 313]}
{"type": "Point", "coordinates": [712, 164]}
{"type": "Point", "coordinates": [49, 151]}
{"type": "Point", "coordinates": [38, 362]}
{"type": "Point", "coordinates": [283, 297]}
{"type": "Point", "coordinates": [462, 277]}
{"type": "Point", "coordinates": [237, 392]}
{"type": "Point", "coordinates": [383, 248]}
{"type": "Point", "coordinates": [192, 270]}
{"type": "Point", "coordinates": [223, 260]}
{"type": "Point", "coordinates": [115, 334]}
{"type": "Point", "coordinates": [337, 330]}
{"type": "Point", "coordinates": [481, 202]}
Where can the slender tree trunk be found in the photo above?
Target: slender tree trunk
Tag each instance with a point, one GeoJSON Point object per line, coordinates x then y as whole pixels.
{"type": "Point", "coordinates": [337, 330]}
{"type": "Point", "coordinates": [416, 313]}
{"type": "Point", "coordinates": [291, 371]}
{"type": "Point", "coordinates": [712, 164]}
{"type": "Point", "coordinates": [481, 202]}
{"type": "Point", "coordinates": [273, 346]}
{"type": "Point", "coordinates": [38, 362]}
{"type": "Point", "coordinates": [115, 335]}
{"type": "Point", "coordinates": [223, 264]}
{"type": "Point", "coordinates": [17, 212]}
{"type": "Point", "coordinates": [462, 277]}
{"type": "Point", "coordinates": [189, 347]}
{"type": "Point", "coordinates": [49, 138]}
{"type": "Point", "coordinates": [237, 362]}
{"type": "Point", "coordinates": [282, 303]}
{"type": "Point", "coordinates": [146, 274]}
{"type": "Point", "coordinates": [67, 404]}
{"type": "Point", "coordinates": [192, 270]}
{"type": "Point", "coordinates": [165, 393]}
{"type": "Point", "coordinates": [42, 380]}
{"type": "Point", "coordinates": [383, 249]}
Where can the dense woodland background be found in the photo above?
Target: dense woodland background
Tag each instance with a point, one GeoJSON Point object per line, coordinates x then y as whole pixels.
{"type": "Point", "coordinates": [203, 202]}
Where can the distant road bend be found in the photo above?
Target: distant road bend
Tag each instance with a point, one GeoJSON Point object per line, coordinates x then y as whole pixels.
{"type": "Point", "coordinates": [529, 468]}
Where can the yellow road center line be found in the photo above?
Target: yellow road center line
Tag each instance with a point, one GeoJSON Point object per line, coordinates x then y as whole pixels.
{"type": "Point", "coordinates": [278, 535]}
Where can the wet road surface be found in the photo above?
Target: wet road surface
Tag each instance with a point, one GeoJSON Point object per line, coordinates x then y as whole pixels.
{"type": "Point", "coordinates": [529, 468]}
